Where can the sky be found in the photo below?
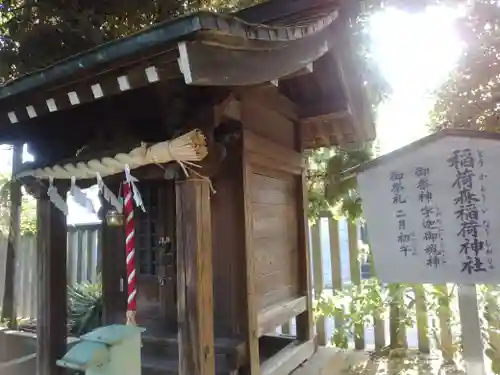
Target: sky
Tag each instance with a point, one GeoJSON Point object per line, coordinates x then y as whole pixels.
{"type": "Point", "coordinates": [415, 53]}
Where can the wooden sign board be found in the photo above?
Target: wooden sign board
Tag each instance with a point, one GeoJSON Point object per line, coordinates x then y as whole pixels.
{"type": "Point", "coordinates": [433, 209]}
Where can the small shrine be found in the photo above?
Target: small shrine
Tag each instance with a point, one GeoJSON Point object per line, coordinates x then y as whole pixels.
{"type": "Point", "coordinates": [194, 131]}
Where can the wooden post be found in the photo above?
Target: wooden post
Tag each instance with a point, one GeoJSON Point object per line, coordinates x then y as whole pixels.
{"type": "Point", "coordinates": [9, 303]}
{"type": "Point", "coordinates": [112, 267]}
{"type": "Point", "coordinates": [318, 277]}
{"type": "Point", "coordinates": [492, 313]}
{"type": "Point", "coordinates": [472, 339]}
{"type": "Point", "coordinates": [336, 269]}
{"type": "Point", "coordinates": [52, 284]}
{"type": "Point", "coordinates": [444, 316]}
{"type": "Point", "coordinates": [422, 319]}
{"type": "Point", "coordinates": [251, 300]}
{"type": "Point", "coordinates": [305, 321]}
{"type": "Point", "coordinates": [352, 230]}
{"type": "Point", "coordinates": [397, 328]}
{"type": "Point", "coordinates": [194, 278]}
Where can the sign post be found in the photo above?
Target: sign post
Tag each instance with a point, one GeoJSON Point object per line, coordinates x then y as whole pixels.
{"type": "Point", "coordinates": [433, 209]}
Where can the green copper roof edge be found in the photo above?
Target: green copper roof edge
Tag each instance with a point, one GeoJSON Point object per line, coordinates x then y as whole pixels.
{"type": "Point", "coordinates": [158, 34]}
{"type": "Point", "coordinates": [163, 32]}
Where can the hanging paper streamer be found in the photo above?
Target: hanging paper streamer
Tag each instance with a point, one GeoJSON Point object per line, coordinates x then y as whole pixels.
{"type": "Point", "coordinates": [108, 195]}
{"type": "Point", "coordinates": [131, 182]}
{"type": "Point", "coordinates": [80, 197]}
{"type": "Point", "coordinates": [130, 252]}
{"type": "Point", "coordinates": [56, 198]}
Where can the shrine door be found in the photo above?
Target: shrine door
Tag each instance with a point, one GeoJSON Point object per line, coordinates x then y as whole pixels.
{"type": "Point", "coordinates": [155, 258]}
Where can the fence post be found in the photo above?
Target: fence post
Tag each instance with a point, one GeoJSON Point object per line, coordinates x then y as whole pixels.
{"type": "Point", "coordinates": [422, 319]}
{"type": "Point", "coordinates": [444, 315]}
{"type": "Point", "coordinates": [472, 340]}
{"type": "Point", "coordinates": [492, 315]}
{"type": "Point", "coordinates": [318, 277]}
{"type": "Point", "coordinates": [285, 328]}
{"type": "Point", "coordinates": [378, 321]}
{"type": "Point", "coordinates": [352, 230]}
{"type": "Point", "coordinates": [339, 337]}
{"type": "Point", "coordinates": [397, 329]}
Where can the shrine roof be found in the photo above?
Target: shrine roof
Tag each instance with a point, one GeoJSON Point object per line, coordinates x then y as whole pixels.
{"type": "Point", "coordinates": [273, 21]}
{"type": "Point", "coordinates": [216, 50]}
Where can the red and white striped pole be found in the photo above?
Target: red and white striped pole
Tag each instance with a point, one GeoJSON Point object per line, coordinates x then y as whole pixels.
{"type": "Point", "coordinates": [128, 210]}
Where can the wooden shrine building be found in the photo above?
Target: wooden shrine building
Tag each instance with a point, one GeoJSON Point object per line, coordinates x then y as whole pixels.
{"type": "Point", "coordinates": [217, 272]}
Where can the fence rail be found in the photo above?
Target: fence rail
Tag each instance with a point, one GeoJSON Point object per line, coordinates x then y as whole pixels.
{"type": "Point", "coordinates": [452, 319]}
{"type": "Point", "coordinates": [82, 265]}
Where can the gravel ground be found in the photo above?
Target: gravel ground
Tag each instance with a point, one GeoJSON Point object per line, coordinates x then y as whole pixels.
{"type": "Point", "coordinates": [410, 364]}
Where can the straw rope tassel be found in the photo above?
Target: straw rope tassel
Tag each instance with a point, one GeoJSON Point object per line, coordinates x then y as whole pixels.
{"type": "Point", "coordinates": [130, 252]}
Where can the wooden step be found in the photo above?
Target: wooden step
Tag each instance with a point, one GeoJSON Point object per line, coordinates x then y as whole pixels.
{"type": "Point", "coordinates": [229, 353]}
{"type": "Point", "coordinates": [159, 366]}
{"type": "Point", "coordinates": [162, 366]}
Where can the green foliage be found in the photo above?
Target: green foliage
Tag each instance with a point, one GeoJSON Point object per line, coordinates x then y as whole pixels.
{"type": "Point", "coordinates": [329, 190]}
{"type": "Point", "coordinates": [28, 213]}
{"type": "Point", "coordinates": [34, 34]}
{"type": "Point", "coordinates": [470, 96]}
{"type": "Point", "coordinates": [360, 302]}
{"type": "Point", "coordinates": [85, 307]}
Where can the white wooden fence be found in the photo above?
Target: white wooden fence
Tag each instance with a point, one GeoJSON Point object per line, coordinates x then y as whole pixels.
{"type": "Point", "coordinates": [83, 260]}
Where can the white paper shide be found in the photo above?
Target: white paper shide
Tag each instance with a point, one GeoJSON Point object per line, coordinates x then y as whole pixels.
{"type": "Point", "coordinates": [433, 211]}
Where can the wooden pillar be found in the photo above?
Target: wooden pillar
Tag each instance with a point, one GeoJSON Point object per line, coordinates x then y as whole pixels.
{"type": "Point", "coordinates": [194, 278]}
{"type": "Point", "coordinates": [113, 269]}
{"type": "Point", "coordinates": [9, 303]}
{"type": "Point", "coordinates": [251, 298]}
{"type": "Point", "coordinates": [52, 284]}
{"type": "Point", "coordinates": [305, 321]}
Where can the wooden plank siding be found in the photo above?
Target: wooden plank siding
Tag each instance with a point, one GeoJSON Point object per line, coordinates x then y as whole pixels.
{"type": "Point", "coordinates": [274, 236]}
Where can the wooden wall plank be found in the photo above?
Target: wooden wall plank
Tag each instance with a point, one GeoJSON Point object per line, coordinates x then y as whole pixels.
{"type": "Point", "coordinates": [51, 281]}
{"type": "Point", "coordinates": [352, 230]}
{"type": "Point", "coordinates": [270, 154]}
{"type": "Point", "coordinates": [274, 236]}
{"type": "Point", "coordinates": [194, 275]}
